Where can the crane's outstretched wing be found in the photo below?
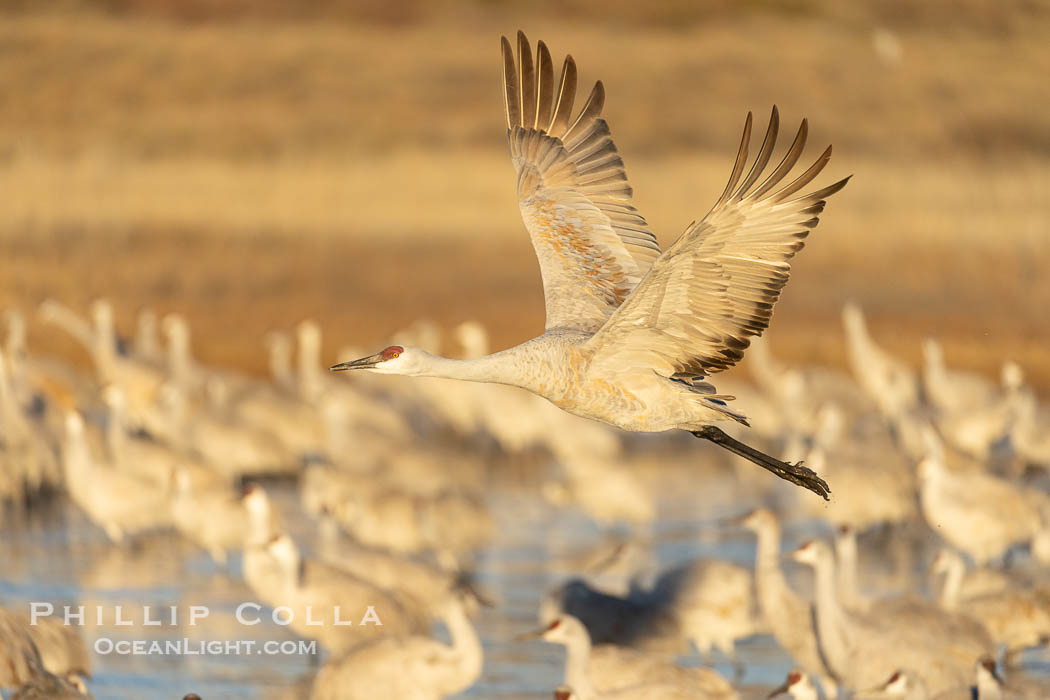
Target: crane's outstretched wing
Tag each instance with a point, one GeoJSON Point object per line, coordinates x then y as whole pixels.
{"type": "Point", "coordinates": [703, 299]}
{"type": "Point", "coordinates": [592, 244]}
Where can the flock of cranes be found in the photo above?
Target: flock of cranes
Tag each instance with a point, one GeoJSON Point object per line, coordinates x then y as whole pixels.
{"type": "Point", "coordinates": [396, 474]}
{"type": "Point", "coordinates": [402, 514]}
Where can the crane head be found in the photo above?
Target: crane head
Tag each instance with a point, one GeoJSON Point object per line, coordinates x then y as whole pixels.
{"type": "Point", "coordinates": [756, 519]}
{"type": "Point", "coordinates": [394, 359]}
{"type": "Point", "coordinates": [564, 692]}
{"type": "Point", "coordinates": [255, 500]}
{"type": "Point", "coordinates": [986, 673]}
{"type": "Point", "coordinates": [903, 683]}
{"type": "Point", "coordinates": [794, 679]}
{"type": "Point", "coordinates": [565, 629]}
{"type": "Point", "coordinates": [945, 561]}
{"type": "Point", "coordinates": [283, 550]}
{"type": "Point", "coordinates": [385, 361]}
{"type": "Point", "coordinates": [808, 552]}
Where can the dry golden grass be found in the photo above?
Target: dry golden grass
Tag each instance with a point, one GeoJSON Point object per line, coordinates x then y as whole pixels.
{"type": "Point", "coordinates": [148, 89]}
{"type": "Point", "coordinates": [351, 168]}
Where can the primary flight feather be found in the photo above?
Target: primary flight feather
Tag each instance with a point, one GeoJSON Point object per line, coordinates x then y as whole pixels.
{"type": "Point", "coordinates": [631, 332]}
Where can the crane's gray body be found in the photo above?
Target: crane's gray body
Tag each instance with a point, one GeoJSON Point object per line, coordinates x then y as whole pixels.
{"type": "Point", "coordinates": [559, 366]}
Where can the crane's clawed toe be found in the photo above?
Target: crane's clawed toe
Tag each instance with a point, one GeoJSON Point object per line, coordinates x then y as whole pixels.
{"type": "Point", "coordinates": [806, 478]}
{"type": "Point", "coordinates": [798, 474]}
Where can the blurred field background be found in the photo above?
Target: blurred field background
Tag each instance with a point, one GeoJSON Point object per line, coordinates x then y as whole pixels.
{"type": "Point", "coordinates": [250, 164]}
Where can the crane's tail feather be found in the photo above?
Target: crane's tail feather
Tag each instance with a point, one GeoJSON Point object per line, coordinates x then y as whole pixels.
{"type": "Point", "coordinates": [717, 402]}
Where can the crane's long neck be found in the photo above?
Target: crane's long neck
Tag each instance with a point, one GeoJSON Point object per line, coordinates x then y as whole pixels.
{"type": "Point", "coordinates": [104, 346]}
{"type": "Point", "coordinates": [466, 643]}
{"type": "Point", "coordinates": [770, 581]}
{"type": "Point", "coordinates": [116, 431]}
{"type": "Point", "coordinates": [934, 368]}
{"type": "Point", "coordinates": [76, 457]}
{"type": "Point", "coordinates": [830, 619]}
{"type": "Point", "coordinates": [577, 665]}
{"type": "Point", "coordinates": [147, 345]}
{"type": "Point", "coordinates": [259, 521]}
{"type": "Point", "coordinates": [9, 413]}
{"type": "Point", "coordinates": [180, 357]}
{"type": "Point", "coordinates": [309, 368]}
{"type": "Point", "coordinates": [290, 567]}
{"type": "Point", "coordinates": [848, 585]}
{"type": "Point", "coordinates": [502, 367]}
{"type": "Point", "coordinates": [280, 357]}
{"type": "Point", "coordinates": [15, 343]}
{"type": "Point", "coordinates": [951, 587]}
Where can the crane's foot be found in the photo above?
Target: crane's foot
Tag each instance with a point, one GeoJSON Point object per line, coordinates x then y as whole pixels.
{"type": "Point", "coordinates": [797, 474]}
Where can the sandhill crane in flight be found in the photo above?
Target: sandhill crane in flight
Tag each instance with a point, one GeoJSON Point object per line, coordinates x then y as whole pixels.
{"type": "Point", "coordinates": [631, 332]}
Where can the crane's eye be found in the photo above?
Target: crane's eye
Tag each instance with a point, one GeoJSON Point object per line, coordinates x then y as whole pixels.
{"type": "Point", "coordinates": [393, 352]}
{"type": "Point", "coordinates": [394, 355]}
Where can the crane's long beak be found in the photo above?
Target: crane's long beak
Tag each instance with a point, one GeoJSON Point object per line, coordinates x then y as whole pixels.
{"type": "Point", "coordinates": [534, 634]}
{"type": "Point", "coordinates": [739, 520]}
{"type": "Point", "coordinates": [363, 363]}
{"type": "Point", "coordinates": [874, 690]}
{"type": "Point", "coordinates": [777, 691]}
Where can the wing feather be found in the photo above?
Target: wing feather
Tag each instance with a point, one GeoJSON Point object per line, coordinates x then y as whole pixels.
{"type": "Point", "coordinates": [511, 105]}
{"type": "Point", "coordinates": [805, 178]}
{"type": "Point", "coordinates": [592, 244]}
{"type": "Point", "coordinates": [566, 94]}
{"type": "Point", "coordinates": [526, 82]}
{"type": "Point", "coordinates": [766, 150]}
{"type": "Point", "coordinates": [545, 89]}
{"type": "Point", "coordinates": [738, 166]}
{"type": "Point", "coordinates": [715, 288]}
{"type": "Point", "coordinates": [786, 164]}
{"type": "Point", "coordinates": [581, 128]}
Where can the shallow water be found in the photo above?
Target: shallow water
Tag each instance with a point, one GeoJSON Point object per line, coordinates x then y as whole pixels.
{"type": "Point", "coordinates": [56, 555]}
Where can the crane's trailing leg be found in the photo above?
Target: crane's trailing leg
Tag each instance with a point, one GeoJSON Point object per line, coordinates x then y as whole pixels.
{"type": "Point", "coordinates": [795, 473]}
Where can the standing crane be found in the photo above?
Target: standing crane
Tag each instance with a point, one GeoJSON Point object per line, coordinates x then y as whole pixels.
{"type": "Point", "coordinates": [631, 333]}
